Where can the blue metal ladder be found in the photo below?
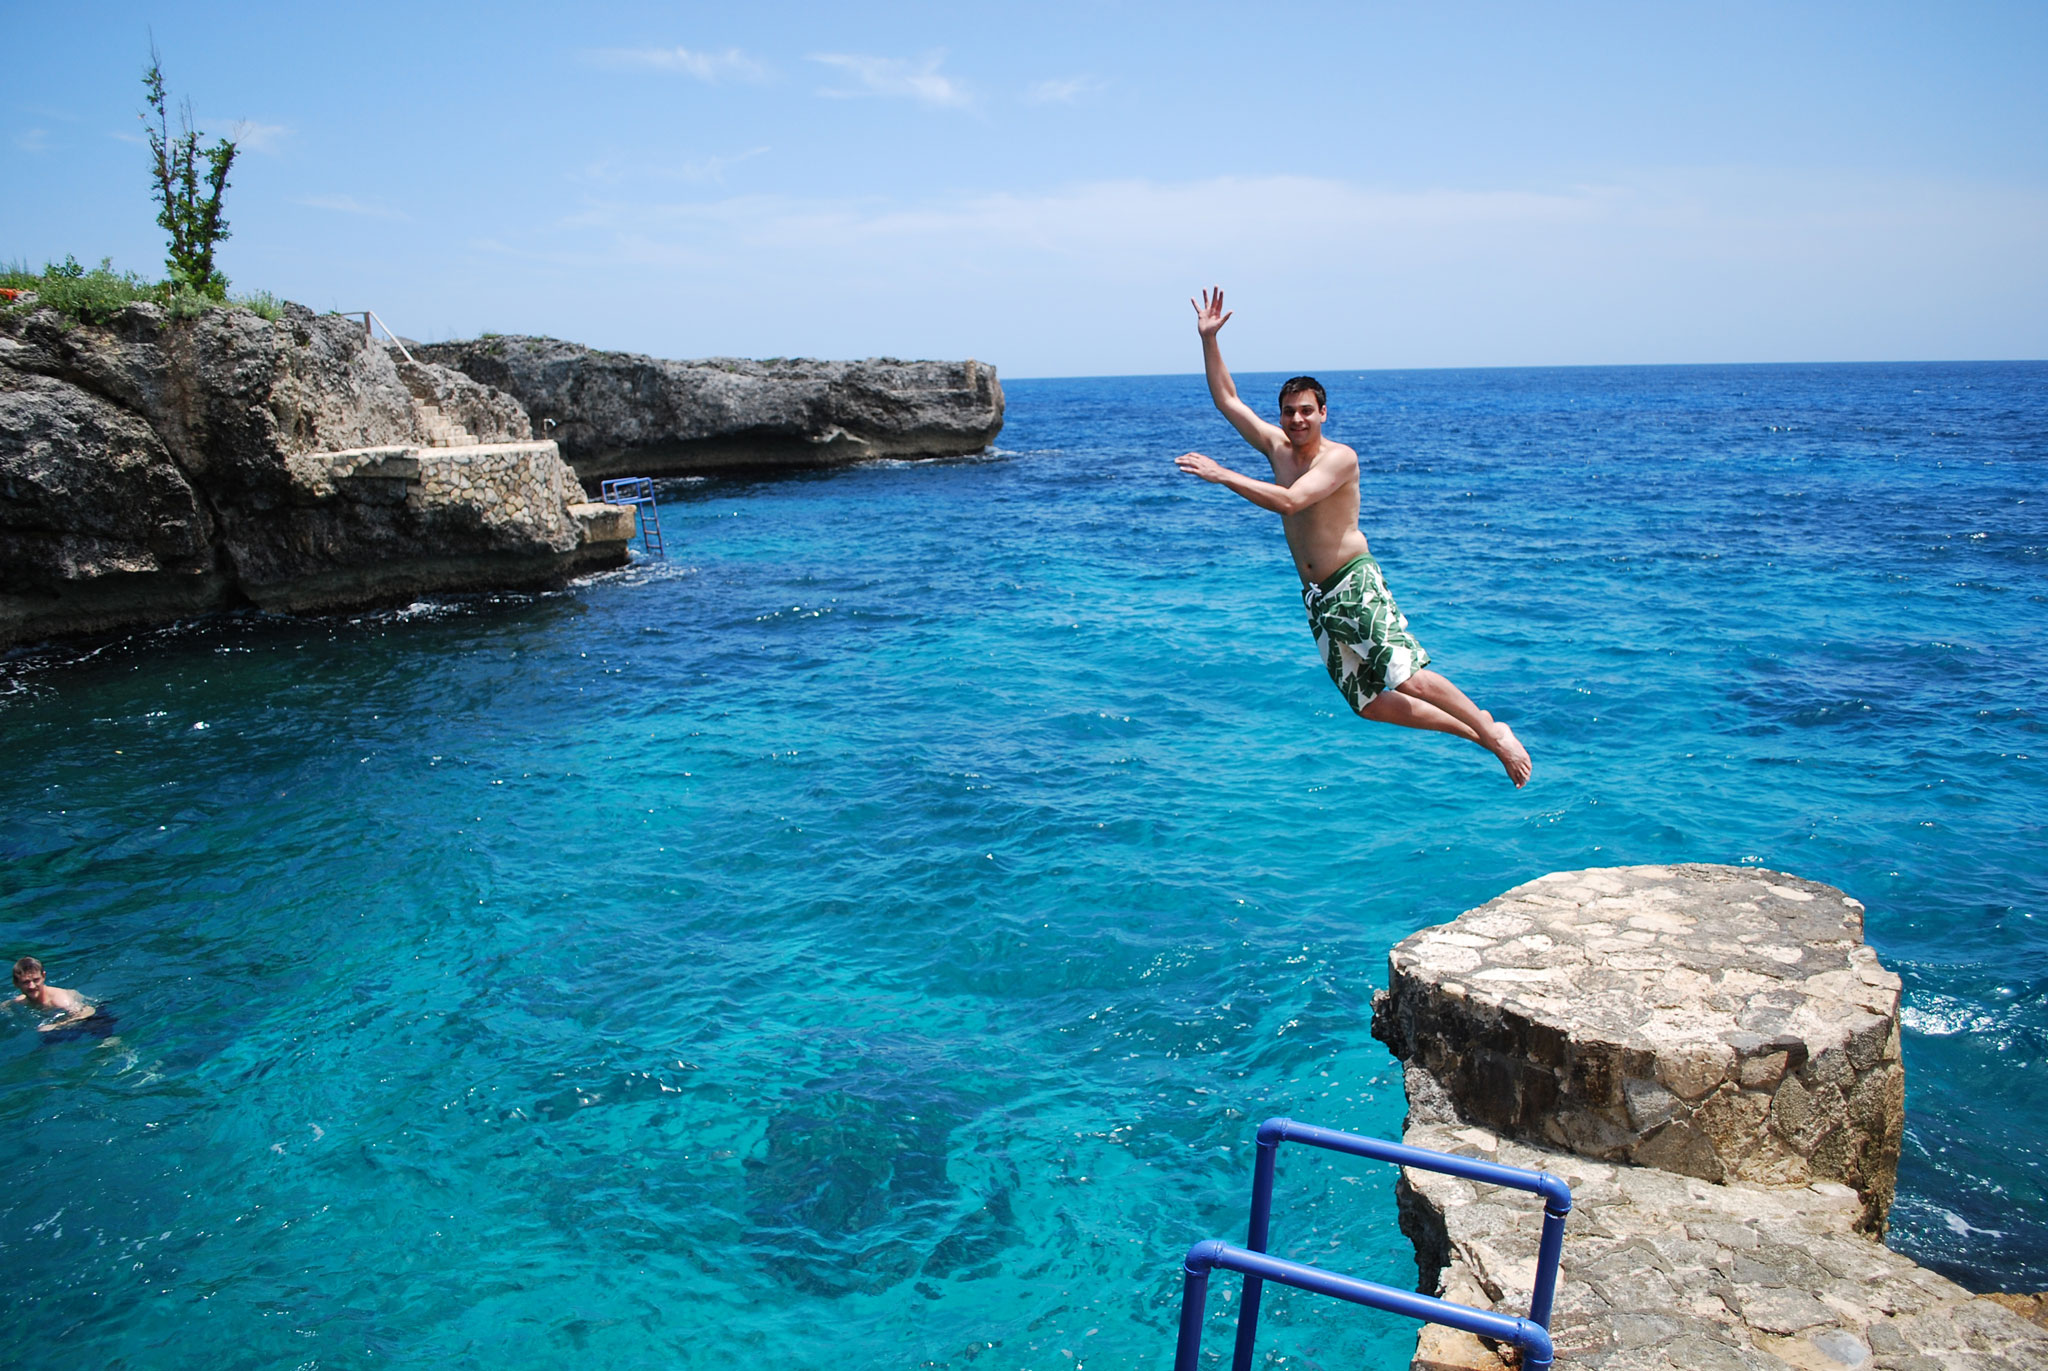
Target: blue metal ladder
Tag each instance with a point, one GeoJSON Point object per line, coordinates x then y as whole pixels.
{"type": "Point", "coordinates": [638, 491]}
{"type": "Point", "coordinates": [1531, 1334]}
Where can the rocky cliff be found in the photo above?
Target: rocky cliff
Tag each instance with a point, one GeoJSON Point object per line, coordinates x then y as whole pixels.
{"type": "Point", "coordinates": [623, 413]}
{"type": "Point", "coordinates": [1710, 1057]}
{"type": "Point", "coordinates": [155, 468]}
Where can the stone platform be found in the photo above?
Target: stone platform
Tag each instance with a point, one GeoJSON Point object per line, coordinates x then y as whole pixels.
{"type": "Point", "coordinates": [1710, 1056]}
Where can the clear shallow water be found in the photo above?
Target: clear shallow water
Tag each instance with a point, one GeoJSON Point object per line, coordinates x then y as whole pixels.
{"type": "Point", "coordinates": [872, 939]}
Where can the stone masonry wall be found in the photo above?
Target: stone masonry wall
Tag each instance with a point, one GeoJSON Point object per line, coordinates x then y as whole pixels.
{"type": "Point", "coordinates": [1710, 1057]}
{"type": "Point", "coordinates": [1717, 1022]}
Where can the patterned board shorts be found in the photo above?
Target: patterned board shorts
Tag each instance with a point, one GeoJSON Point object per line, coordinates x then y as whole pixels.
{"type": "Point", "coordinates": [1361, 633]}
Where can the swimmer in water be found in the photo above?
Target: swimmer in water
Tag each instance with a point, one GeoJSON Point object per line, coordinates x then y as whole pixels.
{"type": "Point", "coordinates": [70, 1006]}
{"type": "Point", "coordinates": [1362, 636]}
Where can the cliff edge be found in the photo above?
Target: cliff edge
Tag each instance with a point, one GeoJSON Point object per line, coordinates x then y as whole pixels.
{"type": "Point", "coordinates": [154, 468]}
{"type": "Point", "coordinates": [622, 413]}
{"type": "Point", "coordinates": [1709, 1055]}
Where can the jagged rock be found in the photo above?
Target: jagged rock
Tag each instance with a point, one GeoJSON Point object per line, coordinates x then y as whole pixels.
{"type": "Point", "coordinates": [625, 413]}
{"type": "Point", "coordinates": [1720, 1022]}
{"type": "Point", "coordinates": [1668, 1271]}
{"type": "Point", "coordinates": [91, 502]}
{"type": "Point", "coordinates": [156, 468]}
{"type": "Point", "coordinates": [1607, 1026]}
{"type": "Point", "coordinates": [2033, 1307]}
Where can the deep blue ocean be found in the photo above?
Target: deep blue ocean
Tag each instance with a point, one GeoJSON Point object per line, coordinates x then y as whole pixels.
{"type": "Point", "coordinates": [870, 937]}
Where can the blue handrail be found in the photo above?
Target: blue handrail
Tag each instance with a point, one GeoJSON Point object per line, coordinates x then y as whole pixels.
{"type": "Point", "coordinates": [1533, 1338]}
{"type": "Point", "coordinates": [1531, 1334]}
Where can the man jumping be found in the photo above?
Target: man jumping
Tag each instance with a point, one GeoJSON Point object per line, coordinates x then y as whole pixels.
{"type": "Point", "coordinates": [1363, 637]}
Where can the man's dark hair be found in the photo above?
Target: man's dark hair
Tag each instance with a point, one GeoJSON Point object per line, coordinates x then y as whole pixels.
{"type": "Point", "coordinates": [27, 966]}
{"type": "Point", "coordinates": [1301, 383]}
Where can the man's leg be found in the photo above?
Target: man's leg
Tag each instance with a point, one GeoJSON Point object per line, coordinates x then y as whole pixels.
{"type": "Point", "coordinates": [1392, 707]}
{"type": "Point", "coordinates": [1446, 702]}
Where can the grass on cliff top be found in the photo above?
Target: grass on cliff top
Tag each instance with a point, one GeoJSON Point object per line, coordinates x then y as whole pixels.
{"type": "Point", "coordinates": [92, 297]}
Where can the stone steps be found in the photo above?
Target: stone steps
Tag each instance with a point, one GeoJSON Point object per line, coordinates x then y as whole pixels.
{"type": "Point", "coordinates": [439, 430]}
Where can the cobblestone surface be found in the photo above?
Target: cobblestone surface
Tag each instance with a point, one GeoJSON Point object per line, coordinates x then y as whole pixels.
{"type": "Point", "coordinates": [1669, 1271]}
{"type": "Point", "coordinates": [1720, 1022]}
{"type": "Point", "coordinates": [1709, 1056]}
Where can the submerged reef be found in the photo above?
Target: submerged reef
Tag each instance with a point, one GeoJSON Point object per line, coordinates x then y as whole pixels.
{"type": "Point", "coordinates": [1709, 1055]}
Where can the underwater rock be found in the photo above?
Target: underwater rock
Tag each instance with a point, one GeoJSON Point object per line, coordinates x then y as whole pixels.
{"type": "Point", "coordinates": [625, 413]}
{"type": "Point", "coordinates": [849, 1191]}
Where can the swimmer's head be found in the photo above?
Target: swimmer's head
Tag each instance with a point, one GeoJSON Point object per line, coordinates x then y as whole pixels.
{"type": "Point", "coordinates": [1299, 384]}
{"type": "Point", "coordinates": [26, 970]}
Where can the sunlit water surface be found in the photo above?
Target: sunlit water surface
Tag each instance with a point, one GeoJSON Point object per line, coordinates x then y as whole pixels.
{"type": "Point", "coordinates": [871, 938]}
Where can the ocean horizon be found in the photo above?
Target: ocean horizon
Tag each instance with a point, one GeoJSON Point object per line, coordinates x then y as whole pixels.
{"type": "Point", "coordinates": [1485, 367]}
{"type": "Point", "coordinates": [874, 932]}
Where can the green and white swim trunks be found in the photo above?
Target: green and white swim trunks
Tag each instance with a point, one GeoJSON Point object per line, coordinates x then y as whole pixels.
{"type": "Point", "coordinates": [1361, 633]}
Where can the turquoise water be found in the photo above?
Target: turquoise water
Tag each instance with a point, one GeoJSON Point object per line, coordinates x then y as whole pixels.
{"type": "Point", "coordinates": [871, 939]}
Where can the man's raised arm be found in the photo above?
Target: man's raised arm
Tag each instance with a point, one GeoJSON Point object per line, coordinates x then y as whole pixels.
{"type": "Point", "coordinates": [1209, 320]}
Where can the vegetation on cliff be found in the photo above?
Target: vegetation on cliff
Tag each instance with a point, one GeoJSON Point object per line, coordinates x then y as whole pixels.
{"type": "Point", "coordinates": [190, 215]}
{"type": "Point", "coordinates": [91, 296]}
{"type": "Point", "coordinates": [188, 209]}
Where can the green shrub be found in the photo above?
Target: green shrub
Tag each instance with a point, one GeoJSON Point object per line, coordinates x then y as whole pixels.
{"type": "Point", "coordinates": [88, 296]}
{"type": "Point", "coordinates": [260, 302]}
{"type": "Point", "coordinates": [94, 296]}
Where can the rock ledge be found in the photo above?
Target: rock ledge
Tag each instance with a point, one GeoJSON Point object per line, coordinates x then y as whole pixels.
{"type": "Point", "coordinates": [1710, 1056]}
{"type": "Point", "coordinates": [157, 468]}
{"type": "Point", "coordinates": [622, 413]}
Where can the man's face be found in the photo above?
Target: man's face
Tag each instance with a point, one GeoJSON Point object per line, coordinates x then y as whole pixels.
{"type": "Point", "coordinates": [1301, 418]}
{"type": "Point", "coordinates": [30, 983]}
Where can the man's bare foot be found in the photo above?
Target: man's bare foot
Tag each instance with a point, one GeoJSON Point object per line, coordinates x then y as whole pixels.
{"type": "Point", "coordinates": [1512, 754]}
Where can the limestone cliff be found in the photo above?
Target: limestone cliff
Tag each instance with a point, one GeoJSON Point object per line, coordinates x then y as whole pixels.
{"type": "Point", "coordinates": [623, 413]}
{"type": "Point", "coordinates": [156, 468]}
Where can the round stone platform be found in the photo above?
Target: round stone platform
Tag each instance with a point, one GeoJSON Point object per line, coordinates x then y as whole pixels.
{"type": "Point", "coordinates": [1721, 1022]}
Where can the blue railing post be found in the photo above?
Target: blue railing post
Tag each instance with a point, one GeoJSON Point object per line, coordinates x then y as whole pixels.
{"type": "Point", "coordinates": [1549, 1252]}
{"type": "Point", "coordinates": [1531, 1334]}
{"type": "Point", "coordinates": [1255, 1239]}
{"type": "Point", "coordinates": [1194, 1300]}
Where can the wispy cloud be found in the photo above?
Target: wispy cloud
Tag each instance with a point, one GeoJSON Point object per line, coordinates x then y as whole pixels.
{"type": "Point", "coordinates": [1703, 263]}
{"type": "Point", "coordinates": [916, 79]}
{"type": "Point", "coordinates": [615, 169]}
{"type": "Point", "coordinates": [348, 204]}
{"type": "Point", "coordinates": [1064, 90]}
{"type": "Point", "coordinates": [33, 140]}
{"type": "Point", "coordinates": [253, 136]}
{"type": "Point", "coordinates": [731, 64]}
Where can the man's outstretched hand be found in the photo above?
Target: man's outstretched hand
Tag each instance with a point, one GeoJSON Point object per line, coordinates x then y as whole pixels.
{"type": "Point", "coordinates": [1209, 315]}
{"type": "Point", "coordinates": [1195, 464]}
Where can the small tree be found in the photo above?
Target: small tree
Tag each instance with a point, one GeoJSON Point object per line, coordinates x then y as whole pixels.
{"type": "Point", "coordinates": [192, 220]}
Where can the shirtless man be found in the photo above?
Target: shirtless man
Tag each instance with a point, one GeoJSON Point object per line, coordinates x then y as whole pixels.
{"type": "Point", "coordinates": [1364, 639]}
{"type": "Point", "coordinates": [40, 994]}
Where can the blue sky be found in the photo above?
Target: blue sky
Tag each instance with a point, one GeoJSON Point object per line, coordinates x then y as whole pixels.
{"type": "Point", "coordinates": [1042, 186]}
